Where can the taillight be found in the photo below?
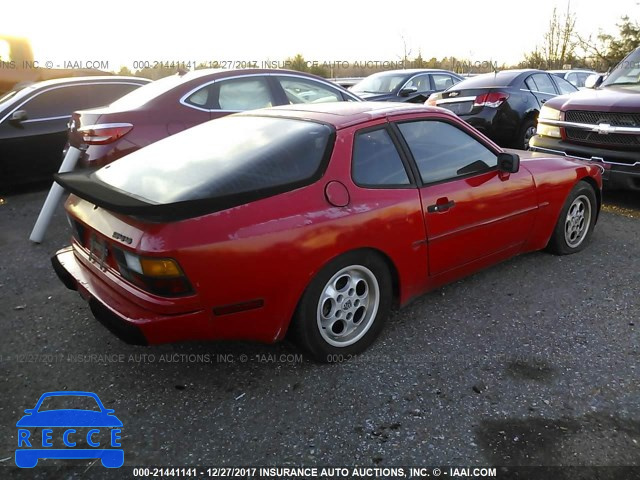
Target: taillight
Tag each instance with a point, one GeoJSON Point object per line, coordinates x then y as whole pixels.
{"type": "Point", "coordinates": [104, 133]}
{"type": "Point", "coordinates": [160, 276]}
{"type": "Point", "coordinates": [491, 99]}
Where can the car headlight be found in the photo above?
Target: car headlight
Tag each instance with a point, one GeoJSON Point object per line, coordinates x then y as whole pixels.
{"type": "Point", "coordinates": [549, 113]}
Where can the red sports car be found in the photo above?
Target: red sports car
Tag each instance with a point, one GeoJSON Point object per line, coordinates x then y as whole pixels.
{"type": "Point", "coordinates": [316, 218]}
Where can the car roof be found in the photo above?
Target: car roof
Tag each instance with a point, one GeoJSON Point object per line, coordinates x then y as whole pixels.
{"type": "Point", "coordinates": [344, 114]}
{"type": "Point", "coordinates": [87, 79]}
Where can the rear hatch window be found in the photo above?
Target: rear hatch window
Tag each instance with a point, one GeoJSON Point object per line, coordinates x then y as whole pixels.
{"type": "Point", "coordinates": [227, 156]}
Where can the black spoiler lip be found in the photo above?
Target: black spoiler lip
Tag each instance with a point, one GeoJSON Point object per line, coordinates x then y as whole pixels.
{"type": "Point", "coordinates": [84, 185]}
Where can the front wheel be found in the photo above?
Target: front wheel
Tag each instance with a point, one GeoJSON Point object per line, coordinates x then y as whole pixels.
{"type": "Point", "coordinates": [344, 308]}
{"type": "Point", "coordinates": [577, 219]}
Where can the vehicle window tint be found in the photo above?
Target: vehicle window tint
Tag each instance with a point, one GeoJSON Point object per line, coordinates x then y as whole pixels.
{"type": "Point", "coordinates": [564, 86]}
{"type": "Point", "coordinates": [65, 100]}
{"type": "Point", "coordinates": [530, 84]}
{"type": "Point", "coordinates": [200, 98]}
{"type": "Point", "coordinates": [442, 151]}
{"type": "Point", "coordinates": [301, 90]}
{"type": "Point", "coordinates": [443, 81]}
{"type": "Point", "coordinates": [376, 161]}
{"type": "Point", "coordinates": [544, 83]}
{"type": "Point", "coordinates": [421, 82]}
{"type": "Point", "coordinates": [240, 94]}
{"type": "Point", "coordinates": [229, 156]}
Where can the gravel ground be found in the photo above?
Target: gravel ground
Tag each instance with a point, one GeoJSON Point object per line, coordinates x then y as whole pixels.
{"type": "Point", "coordinates": [533, 362]}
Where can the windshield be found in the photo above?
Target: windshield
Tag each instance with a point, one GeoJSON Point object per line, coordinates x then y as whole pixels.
{"type": "Point", "coordinates": [227, 156]}
{"type": "Point", "coordinates": [627, 72]}
{"type": "Point", "coordinates": [380, 83]}
{"type": "Point", "coordinates": [12, 95]}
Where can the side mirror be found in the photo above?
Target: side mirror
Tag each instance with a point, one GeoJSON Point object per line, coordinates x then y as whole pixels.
{"type": "Point", "coordinates": [18, 116]}
{"type": "Point", "coordinates": [508, 162]}
{"type": "Point", "coordinates": [406, 91]}
{"type": "Point", "coordinates": [594, 81]}
{"type": "Point", "coordinates": [29, 411]}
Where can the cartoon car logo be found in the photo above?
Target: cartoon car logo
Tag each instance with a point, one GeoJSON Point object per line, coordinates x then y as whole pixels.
{"type": "Point", "coordinates": [69, 433]}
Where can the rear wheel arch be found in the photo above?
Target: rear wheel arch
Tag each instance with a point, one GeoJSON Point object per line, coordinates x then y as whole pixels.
{"type": "Point", "coordinates": [298, 327]}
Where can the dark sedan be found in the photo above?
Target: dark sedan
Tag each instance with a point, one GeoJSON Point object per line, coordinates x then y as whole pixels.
{"type": "Point", "coordinates": [414, 85]}
{"type": "Point", "coordinates": [184, 100]}
{"type": "Point", "coordinates": [34, 118]}
{"type": "Point", "coordinates": [503, 105]}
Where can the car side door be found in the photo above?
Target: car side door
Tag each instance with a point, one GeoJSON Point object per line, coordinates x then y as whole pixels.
{"type": "Point", "coordinates": [542, 87]}
{"type": "Point", "coordinates": [32, 148]}
{"type": "Point", "coordinates": [474, 215]}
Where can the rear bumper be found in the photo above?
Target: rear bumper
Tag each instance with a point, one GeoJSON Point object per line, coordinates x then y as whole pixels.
{"type": "Point", "coordinates": [621, 168]}
{"type": "Point", "coordinates": [123, 317]}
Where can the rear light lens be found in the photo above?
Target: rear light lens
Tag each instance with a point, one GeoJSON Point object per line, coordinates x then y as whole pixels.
{"type": "Point", "coordinates": [105, 133]}
{"type": "Point", "coordinates": [160, 276]}
{"type": "Point", "coordinates": [490, 99]}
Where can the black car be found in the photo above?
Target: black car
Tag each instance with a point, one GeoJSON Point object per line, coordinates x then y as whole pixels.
{"type": "Point", "coordinates": [33, 123]}
{"type": "Point", "coordinates": [414, 85]}
{"type": "Point", "coordinates": [503, 105]}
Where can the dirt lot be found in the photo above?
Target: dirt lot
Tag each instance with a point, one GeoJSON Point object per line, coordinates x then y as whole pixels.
{"type": "Point", "coordinates": [533, 362]}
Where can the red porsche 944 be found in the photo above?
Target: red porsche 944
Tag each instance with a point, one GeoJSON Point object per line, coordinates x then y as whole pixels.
{"type": "Point", "coordinates": [314, 218]}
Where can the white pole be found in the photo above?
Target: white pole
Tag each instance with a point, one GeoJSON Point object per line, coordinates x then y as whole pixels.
{"type": "Point", "coordinates": [53, 198]}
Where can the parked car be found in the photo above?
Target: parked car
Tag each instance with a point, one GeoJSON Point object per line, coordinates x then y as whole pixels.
{"type": "Point", "coordinates": [412, 85]}
{"type": "Point", "coordinates": [315, 218]}
{"type": "Point", "coordinates": [600, 124]}
{"type": "Point", "coordinates": [503, 105]}
{"type": "Point", "coordinates": [577, 78]}
{"type": "Point", "coordinates": [183, 100]}
{"type": "Point", "coordinates": [34, 118]}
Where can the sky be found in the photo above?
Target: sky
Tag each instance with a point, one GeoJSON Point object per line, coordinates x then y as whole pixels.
{"type": "Point", "coordinates": [123, 32]}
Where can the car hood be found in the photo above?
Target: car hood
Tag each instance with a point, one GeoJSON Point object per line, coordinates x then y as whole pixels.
{"type": "Point", "coordinates": [608, 99]}
{"type": "Point", "coordinates": [69, 418]}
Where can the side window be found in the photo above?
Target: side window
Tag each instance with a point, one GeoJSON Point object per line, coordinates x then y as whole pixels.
{"type": "Point", "coordinates": [531, 85]}
{"type": "Point", "coordinates": [302, 90]}
{"type": "Point", "coordinates": [572, 78]}
{"type": "Point", "coordinates": [564, 86]}
{"type": "Point", "coordinates": [544, 83]}
{"type": "Point", "coordinates": [240, 94]}
{"type": "Point", "coordinates": [57, 102]}
{"type": "Point", "coordinates": [421, 82]}
{"type": "Point", "coordinates": [65, 100]}
{"type": "Point", "coordinates": [376, 161]}
{"type": "Point", "coordinates": [200, 98]}
{"type": "Point", "coordinates": [442, 81]}
{"type": "Point", "coordinates": [582, 77]}
{"type": "Point", "coordinates": [444, 152]}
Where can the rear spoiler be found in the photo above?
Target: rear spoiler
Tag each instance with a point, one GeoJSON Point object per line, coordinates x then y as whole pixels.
{"type": "Point", "coordinates": [85, 185]}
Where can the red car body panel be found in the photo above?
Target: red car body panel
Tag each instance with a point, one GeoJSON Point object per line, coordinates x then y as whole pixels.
{"type": "Point", "coordinates": [269, 250]}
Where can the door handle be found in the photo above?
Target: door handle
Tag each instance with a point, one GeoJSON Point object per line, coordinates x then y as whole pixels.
{"type": "Point", "coordinates": [442, 205]}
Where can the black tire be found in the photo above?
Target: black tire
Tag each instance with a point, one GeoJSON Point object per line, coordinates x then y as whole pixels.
{"type": "Point", "coordinates": [576, 221]}
{"type": "Point", "coordinates": [333, 324]}
{"type": "Point", "coordinates": [527, 130]}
